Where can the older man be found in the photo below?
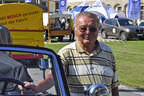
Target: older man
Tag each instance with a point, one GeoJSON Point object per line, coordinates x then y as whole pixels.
{"type": "Point", "coordinates": [86, 61]}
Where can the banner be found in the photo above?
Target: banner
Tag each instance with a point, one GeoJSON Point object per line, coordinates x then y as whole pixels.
{"type": "Point", "coordinates": [63, 5]}
{"type": "Point", "coordinates": [133, 9]}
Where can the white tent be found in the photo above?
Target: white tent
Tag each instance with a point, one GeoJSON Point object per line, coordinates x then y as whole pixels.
{"type": "Point", "coordinates": [100, 7]}
{"type": "Point", "coordinates": [84, 4]}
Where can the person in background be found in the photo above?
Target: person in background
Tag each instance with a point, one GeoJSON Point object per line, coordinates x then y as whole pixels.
{"type": "Point", "coordinates": [72, 35]}
{"type": "Point", "coordinates": [86, 61]}
{"type": "Point", "coordinates": [5, 37]}
{"type": "Point", "coordinates": [10, 68]}
{"type": "Point", "coordinates": [63, 21]}
{"type": "Point", "coordinates": [67, 24]}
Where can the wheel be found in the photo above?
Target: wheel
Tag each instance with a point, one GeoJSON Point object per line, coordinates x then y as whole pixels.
{"type": "Point", "coordinates": [103, 34]}
{"type": "Point", "coordinates": [123, 36]}
{"type": "Point", "coordinates": [60, 38]}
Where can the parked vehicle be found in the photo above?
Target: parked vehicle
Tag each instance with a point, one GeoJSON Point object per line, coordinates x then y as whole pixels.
{"type": "Point", "coordinates": [55, 28]}
{"type": "Point", "coordinates": [50, 62]}
{"type": "Point", "coordinates": [25, 24]}
{"type": "Point", "coordinates": [141, 24]}
{"type": "Point", "coordinates": [121, 28]}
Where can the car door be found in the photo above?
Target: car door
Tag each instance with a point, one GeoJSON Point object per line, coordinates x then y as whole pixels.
{"type": "Point", "coordinates": [13, 72]}
{"type": "Point", "coordinates": [115, 27]}
{"type": "Point", "coordinates": [107, 25]}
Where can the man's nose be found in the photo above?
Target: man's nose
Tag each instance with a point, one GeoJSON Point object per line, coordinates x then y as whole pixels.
{"type": "Point", "coordinates": [87, 31]}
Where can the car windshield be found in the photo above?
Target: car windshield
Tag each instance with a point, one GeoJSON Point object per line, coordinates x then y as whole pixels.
{"type": "Point", "coordinates": [126, 22]}
{"type": "Point", "coordinates": [14, 71]}
{"type": "Point", "coordinates": [141, 24]}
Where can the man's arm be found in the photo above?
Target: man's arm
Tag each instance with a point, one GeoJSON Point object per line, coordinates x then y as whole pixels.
{"type": "Point", "coordinates": [45, 84]}
{"type": "Point", "coordinates": [39, 87]}
{"type": "Point", "coordinates": [115, 91]}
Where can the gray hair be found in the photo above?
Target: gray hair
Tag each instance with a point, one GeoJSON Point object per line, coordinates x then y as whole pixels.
{"type": "Point", "coordinates": [88, 14]}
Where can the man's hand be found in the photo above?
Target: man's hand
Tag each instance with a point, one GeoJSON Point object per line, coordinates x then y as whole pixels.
{"type": "Point", "coordinates": [29, 88]}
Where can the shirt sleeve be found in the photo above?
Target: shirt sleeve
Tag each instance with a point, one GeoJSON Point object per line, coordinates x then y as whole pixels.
{"type": "Point", "coordinates": [64, 61]}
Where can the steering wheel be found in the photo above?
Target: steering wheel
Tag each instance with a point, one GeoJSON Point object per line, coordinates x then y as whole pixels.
{"type": "Point", "coordinates": [18, 82]}
{"type": "Point", "coordinates": [8, 80]}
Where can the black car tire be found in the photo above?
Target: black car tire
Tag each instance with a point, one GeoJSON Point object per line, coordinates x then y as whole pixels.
{"type": "Point", "coordinates": [60, 38]}
{"type": "Point", "coordinates": [103, 34]}
{"type": "Point", "coordinates": [123, 36]}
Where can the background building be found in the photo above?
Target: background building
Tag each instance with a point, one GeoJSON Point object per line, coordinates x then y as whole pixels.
{"type": "Point", "coordinates": [118, 5]}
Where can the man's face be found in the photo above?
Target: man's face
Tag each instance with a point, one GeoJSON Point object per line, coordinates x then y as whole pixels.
{"type": "Point", "coordinates": [86, 30]}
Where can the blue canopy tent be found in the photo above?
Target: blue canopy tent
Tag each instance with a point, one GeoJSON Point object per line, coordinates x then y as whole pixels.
{"type": "Point", "coordinates": [78, 9]}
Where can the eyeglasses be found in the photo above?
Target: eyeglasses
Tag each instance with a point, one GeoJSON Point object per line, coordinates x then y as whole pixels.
{"type": "Point", "coordinates": [90, 28]}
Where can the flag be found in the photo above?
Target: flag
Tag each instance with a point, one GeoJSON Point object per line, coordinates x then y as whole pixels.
{"type": "Point", "coordinates": [63, 4]}
{"type": "Point", "coordinates": [28, 1]}
{"type": "Point", "coordinates": [133, 9]}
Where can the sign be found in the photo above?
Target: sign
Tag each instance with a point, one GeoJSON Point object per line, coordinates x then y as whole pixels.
{"type": "Point", "coordinates": [63, 4]}
{"type": "Point", "coordinates": [52, 6]}
{"type": "Point", "coordinates": [21, 16]}
{"type": "Point", "coordinates": [133, 9]}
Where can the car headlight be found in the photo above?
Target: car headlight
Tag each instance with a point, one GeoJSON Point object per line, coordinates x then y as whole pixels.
{"type": "Point", "coordinates": [127, 30]}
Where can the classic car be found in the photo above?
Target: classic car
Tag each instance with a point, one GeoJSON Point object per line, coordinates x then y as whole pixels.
{"type": "Point", "coordinates": [50, 62]}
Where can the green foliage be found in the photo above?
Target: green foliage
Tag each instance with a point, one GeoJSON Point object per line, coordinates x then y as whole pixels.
{"type": "Point", "coordinates": [129, 57]}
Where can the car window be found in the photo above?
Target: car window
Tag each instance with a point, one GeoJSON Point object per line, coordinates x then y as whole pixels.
{"type": "Point", "coordinates": [108, 21]}
{"type": "Point", "coordinates": [141, 24]}
{"type": "Point", "coordinates": [126, 22]}
{"type": "Point", "coordinates": [14, 71]}
{"type": "Point", "coordinates": [114, 22]}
